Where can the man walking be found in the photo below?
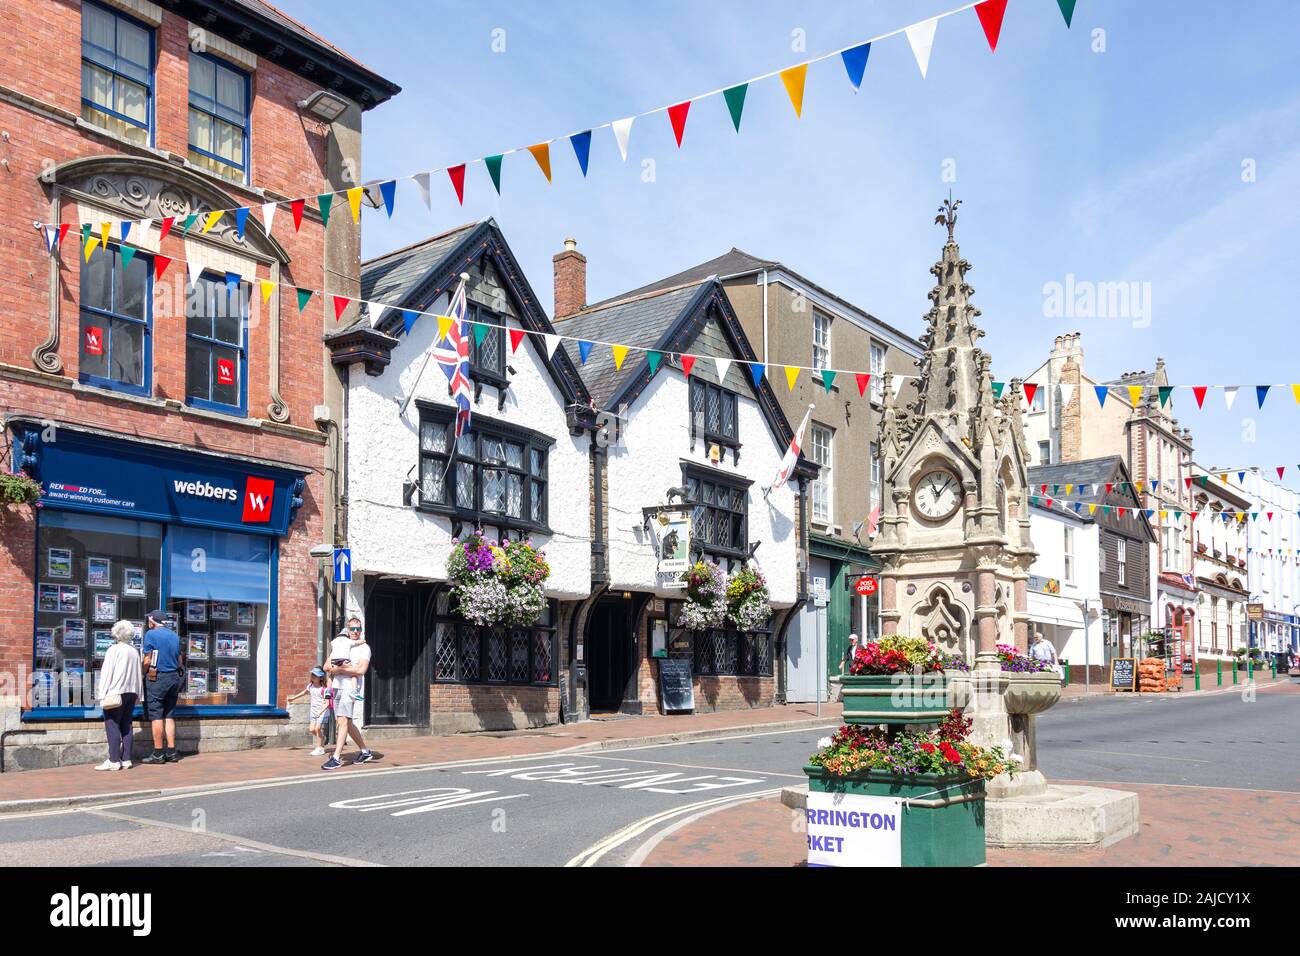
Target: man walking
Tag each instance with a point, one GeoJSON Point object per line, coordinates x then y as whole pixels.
{"type": "Point", "coordinates": [162, 663]}
{"type": "Point", "coordinates": [346, 683]}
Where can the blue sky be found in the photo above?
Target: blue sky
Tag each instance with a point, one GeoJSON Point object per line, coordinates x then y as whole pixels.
{"type": "Point", "coordinates": [1117, 166]}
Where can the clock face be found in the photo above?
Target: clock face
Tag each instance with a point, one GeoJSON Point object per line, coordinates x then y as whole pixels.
{"type": "Point", "coordinates": [937, 494]}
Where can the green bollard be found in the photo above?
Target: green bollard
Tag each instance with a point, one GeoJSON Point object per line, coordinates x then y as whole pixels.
{"type": "Point", "coordinates": [1218, 667]}
{"type": "Point", "coordinates": [1234, 671]}
{"type": "Point", "coordinates": [1067, 673]}
{"type": "Point", "coordinates": [1197, 671]}
{"type": "Point", "coordinates": [1250, 669]}
{"type": "Point", "coordinates": [1272, 667]}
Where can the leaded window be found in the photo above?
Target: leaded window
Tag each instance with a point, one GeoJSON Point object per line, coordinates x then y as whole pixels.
{"type": "Point", "coordinates": [487, 343]}
{"type": "Point", "coordinates": [714, 413]}
{"type": "Point", "coordinates": [468, 654]}
{"type": "Point", "coordinates": [720, 513]}
{"type": "Point", "coordinates": [724, 653]}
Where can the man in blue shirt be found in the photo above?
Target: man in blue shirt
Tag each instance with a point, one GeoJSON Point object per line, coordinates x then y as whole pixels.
{"type": "Point", "coordinates": [162, 686]}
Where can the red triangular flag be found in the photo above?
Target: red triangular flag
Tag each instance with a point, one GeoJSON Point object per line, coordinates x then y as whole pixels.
{"type": "Point", "coordinates": [160, 264]}
{"type": "Point", "coordinates": [63, 231]}
{"type": "Point", "coordinates": [677, 116]}
{"type": "Point", "coordinates": [864, 379]}
{"type": "Point", "coordinates": [341, 303]}
{"type": "Point", "coordinates": [1270, 515]}
{"type": "Point", "coordinates": [1199, 392]}
{"type": "Point", "coordinates": [1187, 481]}
{"type": "Point", "coordinates": [516, 336]}
{"type": "Point", "coordinates": [990, 13]}
{"type": "Point", "coordinates": [1030, 390]}
{"type": "Point", "coordinates": [457, 174]}
{"type": "Point", "coordinates": [1109, 488]}
{"type": "Point", "coordinates": [1121, 512]}
{"type": "Point", "coordinates": [688, 363]}
{"type": "Point", "coordinates": [165, 227]}
{"type": "Point", "coordinates": [1194, 514]}
{"type": "Point", "coordinates": [1280, 469]}
{"type": "Point", "coordinates": [296, 208]}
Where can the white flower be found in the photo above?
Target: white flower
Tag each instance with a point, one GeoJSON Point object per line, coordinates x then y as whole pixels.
{"type": "Point", "coordinates": [823, 743]}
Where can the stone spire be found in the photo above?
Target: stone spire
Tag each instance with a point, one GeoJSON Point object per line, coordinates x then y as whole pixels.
{"type": "Point", "coordinates": [951, 369]}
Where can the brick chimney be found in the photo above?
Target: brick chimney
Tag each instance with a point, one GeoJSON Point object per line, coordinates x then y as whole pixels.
{"type": "Point", "coordinates": [570, 280]}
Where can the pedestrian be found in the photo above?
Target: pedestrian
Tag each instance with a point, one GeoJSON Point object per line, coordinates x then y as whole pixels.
{"type": "Point", "coordinates": [346, 685]}
{"type": "Point", "coordinates": [1042, 651]}
{"type": "Point", "coordinates": [846, 662]}
{"type": "Point", "coordinates": [162, 670]}
{"type": "Point", "coordinates": [119, 688]}
{"type": "Point", "coordinates": [319, 713]}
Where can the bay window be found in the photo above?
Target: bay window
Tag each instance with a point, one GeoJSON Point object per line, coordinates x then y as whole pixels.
{"type": "Point", "coordinates": [720, 513]}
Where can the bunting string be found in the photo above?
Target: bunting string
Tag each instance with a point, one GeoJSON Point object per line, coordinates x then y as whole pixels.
{"type": "Point", "coordinates": [1091, 508]}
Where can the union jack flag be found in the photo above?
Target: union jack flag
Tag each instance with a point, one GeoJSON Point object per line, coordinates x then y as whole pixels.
{"type": "Point", "coordinates": [451, 352]}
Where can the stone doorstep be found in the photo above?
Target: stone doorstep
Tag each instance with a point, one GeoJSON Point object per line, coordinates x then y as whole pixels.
{"type": "Point", "coordinates": [1083, 817]}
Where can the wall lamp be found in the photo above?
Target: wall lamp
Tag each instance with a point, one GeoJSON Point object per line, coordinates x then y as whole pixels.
{"type": "Point", "coordinates": [324, 105]}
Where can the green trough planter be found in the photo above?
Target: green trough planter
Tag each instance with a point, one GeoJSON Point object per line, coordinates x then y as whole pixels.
{"type": "Point", "coordinates": [897, 699]}
{"type": "Point", "coordinates": [938, 829]}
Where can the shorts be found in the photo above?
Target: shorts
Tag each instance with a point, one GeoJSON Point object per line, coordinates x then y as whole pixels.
{"type": "Point", "coordinates": [319, 719]}
{"type": "Point", "coordinates": [343, 702]}
{"type": "Point", "coordinates": [160, 695]}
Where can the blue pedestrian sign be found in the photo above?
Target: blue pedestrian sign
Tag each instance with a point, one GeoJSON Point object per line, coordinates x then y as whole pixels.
{"type": "Point", "coordinates": [342, 565]}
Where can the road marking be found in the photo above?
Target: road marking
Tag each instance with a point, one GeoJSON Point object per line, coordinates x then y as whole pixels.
{"type": "Point", "coordinates": [649, 781]}
{"type": "Point", "coordinates": [443, 798]}
{"type": "Point", "coordinates": [692, 766]}
{"type": "Point", "coordinates": [593, 854]}
{"type": "Point", "coordinates": [1124, 753]}
{"type": "Point", "coordinates": [240, 841]}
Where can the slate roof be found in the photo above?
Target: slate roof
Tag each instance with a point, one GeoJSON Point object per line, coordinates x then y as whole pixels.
{"type": "Point", "coordinates": [388, 277]}
{"type": "Point", "coordinates": [1090, 472]}
{"type": "Point", "coordinates": [640, 320]}
{"type": "Point", "coordinates": [739, 262]}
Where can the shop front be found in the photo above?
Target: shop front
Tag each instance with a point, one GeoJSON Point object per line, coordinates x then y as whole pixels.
{"type": "Point", "coordinates": [1125, 623]}
{"type": "Point", "coordinates": [126, 526]}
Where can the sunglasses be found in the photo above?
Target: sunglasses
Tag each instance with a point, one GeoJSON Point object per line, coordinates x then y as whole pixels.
{"type": "Point", "coordinates": [354, 628]}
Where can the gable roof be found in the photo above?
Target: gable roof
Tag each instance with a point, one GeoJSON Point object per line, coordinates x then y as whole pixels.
{"type": "Point", "coordinates": [415, 276]}
{"type": "Point", "coordinates": [1086, 474]}
{"type": "Point", "coordinates": [737, 262]}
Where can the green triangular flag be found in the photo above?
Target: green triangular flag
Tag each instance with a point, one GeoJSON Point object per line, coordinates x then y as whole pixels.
{"type": "Point", "coordinates": [735, 98]}
{"type": "Point", "coordinates": [480, 332]}
{"type": "Point", "coordinates": [1178, 516]}
{"type": "Point", "coordinates": [997, 389]}
{"type": "Point", "coordinates": [304, 296]}
{"type": "Point", "coordinates": [654, 358]}
{"type": "Point", "coordinates": [189, 222]}
{"type": "Point", "coordinates": [85, 234]}
{"type": "Point", "coordinates": [326, 200]}
{"type": "Point", "coordinates": [1164, 391]}
{"type": "Point", "coordinates": [127, 253]}
{"type": "Point", "coordinates": [828, 377]}
{"type": "Point", "coordinates": [493, 164]}
{"type": "Point", "coordinates": [1067, 10]}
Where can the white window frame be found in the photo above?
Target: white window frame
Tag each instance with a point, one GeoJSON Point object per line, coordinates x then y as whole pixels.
{"type": "Point", "coordinates": [1121, 560]}
{"type": "Point", "coordinates": [875, 475]}
{"type": "Point", "coordinates": [821, 340]}
{"type": "Point", "coordinates": [1068, 545]}
{"type": "Point", "coordinates": [823, 453]}
{"type": "Point", "coordinates": [877, 372]}
{"type": "Point", "coordinates": [1045, 459]}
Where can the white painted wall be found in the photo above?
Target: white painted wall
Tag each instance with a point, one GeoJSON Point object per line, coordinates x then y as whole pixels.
{"type": "Point", "coordinates": [1060, 616]}
{"type": "Point", "coordinates": [647, 463]}
{"type": "Point", "coordinates": [391, 538]}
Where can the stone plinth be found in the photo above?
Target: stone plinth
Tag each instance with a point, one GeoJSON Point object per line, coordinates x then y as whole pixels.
{"type": "Point", "coordinates": [1060, 816]}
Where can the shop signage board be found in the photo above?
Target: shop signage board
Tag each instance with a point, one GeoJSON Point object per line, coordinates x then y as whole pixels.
{"type": "Point", "coordinates": [673, 531]}
{"type": "Point", "coordinates": [849, 829]}
{"type": "Point", "coordinates": [1254, 612]}
{"type": "Point", "coordinates": [867, 585]}
{"type": "Point", "coordinates": [1123, 673]}
{"type": "Point", "coordinates": [676, 690]}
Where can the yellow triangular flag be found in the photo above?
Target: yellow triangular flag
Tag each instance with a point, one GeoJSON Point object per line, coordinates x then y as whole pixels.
{"type": "Point", "coordinates": [1092, 509]}
{"type": "Point", "coordinates": [212, 220]}
{"type": "Point", "coordinates": [1137, 486]}
{"type": "Point", "coordinates": [791, 374]}
{"type": "Point", "coordinates": [620, 351]}
{"type": "Point", "coordinates": [267, 288]}
{"type": "Point", "coordinates": [1295, 390]}
{"type": "Point", "coordinates": [1224, 478]}
{"type": "Point", "coordinates": [444, 326]}
{"type": "Point", "coordinates": [1134, 395]}
{"type": "Point", "coordinates": [1068, 489]}
{"type": "Point", "coordinates": [793, 79]}
{"type": "Point", "coordinates": [91, 243]}
{"type": "Point", "coordinates": [104, 228]}
{"type": "Point", "coordinates": [1241, 516]}
{"type": "Point", "coordinates": [542, 153]}
{"type": "Point", "coordinates": [1164, 516]}
{"type": "Point", "coordinates": [354, 200]}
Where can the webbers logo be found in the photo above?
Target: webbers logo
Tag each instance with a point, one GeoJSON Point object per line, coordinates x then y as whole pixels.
{"type": "Point", "coordinates": [258, 495]}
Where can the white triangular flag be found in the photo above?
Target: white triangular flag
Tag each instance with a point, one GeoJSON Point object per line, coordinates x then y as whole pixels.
{"type": "Point", "coordinates": [1067, 393]}
{"type": "Point", "coordinates": [195, 269]}
{"type": "Point", "coordinates": [724, 365]}
{"type": "Point", "coordinates": [268, 215]}
{"type": "Point", "coordinates": [622, 130]}
{"type": "Point", "coordinates": [552, 340]}
{"type": "Point", "coordinates": [51, 237]}
{"type": "Point", "coordinates": [422, 181]}
{"type": "Point", "coordinates": [143, 227]}
{"type": "Point", "coordinates": [921, 37]}
{"type": "Point", "coordinates": [376, 310]}
{"type": "Point", "coordinates": [1230, 394]}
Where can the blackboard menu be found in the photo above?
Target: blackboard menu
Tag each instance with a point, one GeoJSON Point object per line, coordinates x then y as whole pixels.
{"type": "Point", "coordinates": [1123, 673]}
{"type": "Point", "coordinates": [1189, 666]}
{"type": "Point", "coordinates": [676, 691]}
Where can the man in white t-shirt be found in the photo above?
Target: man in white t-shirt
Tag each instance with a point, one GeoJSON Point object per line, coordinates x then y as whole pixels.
{"type": "Point", "coordinates": [346, 681]}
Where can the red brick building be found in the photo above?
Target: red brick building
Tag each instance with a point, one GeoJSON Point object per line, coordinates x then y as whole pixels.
{"type": "Point", "coordinates": [177, 414]}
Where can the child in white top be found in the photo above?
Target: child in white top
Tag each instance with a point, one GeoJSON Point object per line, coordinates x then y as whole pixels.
{"type": "Point", "coordinates": [317, 692]}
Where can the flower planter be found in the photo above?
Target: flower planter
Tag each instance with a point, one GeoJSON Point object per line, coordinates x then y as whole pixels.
{"type": "Point", "coordinates": [1031, 693]}
{"type": "Point", "coordinates": [896, 698]}
{"type": "Point", "coordinates": [944, 828]}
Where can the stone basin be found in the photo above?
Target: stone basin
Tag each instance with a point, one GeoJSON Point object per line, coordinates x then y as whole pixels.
{"type": "Point", "coordinates": [1031, 693]}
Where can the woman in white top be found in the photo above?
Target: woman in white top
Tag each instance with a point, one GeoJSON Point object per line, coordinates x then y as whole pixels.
{"type": "Point", "coordinates": [120, 685]}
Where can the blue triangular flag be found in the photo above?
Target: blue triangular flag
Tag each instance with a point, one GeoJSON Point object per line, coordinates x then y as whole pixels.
{"type": "Point", "coordinates": [756, 372]}
{"type": "Point", "coordinates": [389, 191]}
{"type": "Point", "coordinates": [241, 217]}
{"type": "Point", "coordinates": [1149, 512]}
{"type": "Point", "coordinates": [855, 62]}
{"type": "Point", "coordinates": [1241, 477]}
{"type": "Point", "coordinates": [1102, 392]}
{"type": "Point", "coordinates": [582, 148]}
{"type": "Point", "coordinates": [232, 282]}
{"type": "Point", "coordinates": [408, 319]}
{"type": "Point", "coordinates": [1155, 484]}
{"type": "Point", "coordinates": [126, 228]}
{"type": "Point", "coordinates": [584, 349]}
{"type": "Point", "coordinates": [1077, 506]}
{"type": "Point", "coordinates": [1261, 392]}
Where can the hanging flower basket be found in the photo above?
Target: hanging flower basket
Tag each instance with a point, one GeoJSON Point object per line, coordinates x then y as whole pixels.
{"type": "Point", "coordinates": [705, 607]}
{"type": "Point", "coordinates": [17, 488]}
{"type": "Point", "coordinates": [498, 583]}
{"type": "Point", "coordinates": [748, 601]}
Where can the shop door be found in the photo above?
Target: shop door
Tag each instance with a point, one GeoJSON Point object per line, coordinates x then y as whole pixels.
{"type": "Point", "coordinates": [397, 684]}
{"type": "Point", "coordinates": [610, 656]}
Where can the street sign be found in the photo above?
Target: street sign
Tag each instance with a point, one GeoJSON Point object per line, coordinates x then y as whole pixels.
{"type": "Point", "coordinates": [848, 829]}
{"type": "Point", "coordinates": [866, 585]}
{"type": "Point", "coordinates": [342, 565]}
